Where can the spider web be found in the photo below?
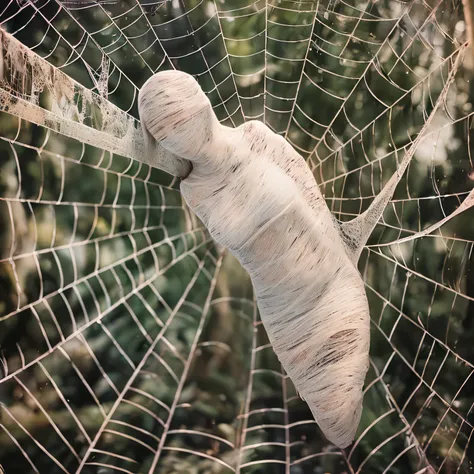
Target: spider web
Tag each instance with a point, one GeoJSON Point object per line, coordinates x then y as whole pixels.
{"type": "Point", "coordinates": [129, 341]}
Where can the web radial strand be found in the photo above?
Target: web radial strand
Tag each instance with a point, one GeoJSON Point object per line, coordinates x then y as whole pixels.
{"type": "Point", "coordinates": [128, 342]}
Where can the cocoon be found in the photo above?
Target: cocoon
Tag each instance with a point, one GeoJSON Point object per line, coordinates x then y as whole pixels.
{"type": "Point", "coordinates": [257, 197]}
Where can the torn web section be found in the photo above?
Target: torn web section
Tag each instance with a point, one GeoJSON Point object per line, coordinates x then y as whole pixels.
{"type": "Point", "coordinates": [121, 32]}
{"type": "Point", "coordinates": [188, 39]}
{"type": "Point", "coordinates": [46, 96]}
{"type": "Point", "coordinates": [36, 91]}
{"type": "Point", "coordinates": [71, 47]}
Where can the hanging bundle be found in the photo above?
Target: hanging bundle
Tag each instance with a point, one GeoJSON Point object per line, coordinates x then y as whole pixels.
{"type": "Point", "coordinates": [257, 197]}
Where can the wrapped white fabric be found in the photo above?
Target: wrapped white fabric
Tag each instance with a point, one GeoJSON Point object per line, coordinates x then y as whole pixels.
{"type": "Point", "coordinates": [257, 197]}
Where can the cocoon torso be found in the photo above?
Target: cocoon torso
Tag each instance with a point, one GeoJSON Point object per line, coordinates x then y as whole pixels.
{"type": "Point", "coordinates": [264, 205]}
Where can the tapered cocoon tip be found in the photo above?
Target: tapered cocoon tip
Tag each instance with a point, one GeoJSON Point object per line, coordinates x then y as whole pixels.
{"type": "Point", "coordinates": [322, 341]}
{"type": "Point", "coordinates": [339, 417]}
{"type": "Point", "coordinates": [334, 393]}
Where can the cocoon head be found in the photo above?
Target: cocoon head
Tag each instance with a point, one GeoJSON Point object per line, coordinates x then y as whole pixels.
{"type": "Point", "coordinates": [177, 113]}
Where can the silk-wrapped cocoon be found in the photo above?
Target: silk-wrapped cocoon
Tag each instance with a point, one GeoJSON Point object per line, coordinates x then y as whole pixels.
{"type": "Point", "coordinates": [257, 197]}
